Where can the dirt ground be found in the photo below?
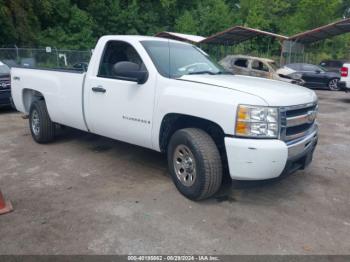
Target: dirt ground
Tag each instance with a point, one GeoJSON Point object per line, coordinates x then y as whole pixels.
{"type": "Point", "coordinates": [85, 194]}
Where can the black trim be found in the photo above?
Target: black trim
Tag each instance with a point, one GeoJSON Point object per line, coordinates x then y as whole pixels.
{"type": "Point", "coordinates": [128, 79]}
{"type": "Point", "coordinates": [299, 162]}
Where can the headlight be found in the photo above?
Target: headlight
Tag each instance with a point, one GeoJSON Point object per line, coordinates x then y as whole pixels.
{"type": "Point", "coordinates": [256, 121]}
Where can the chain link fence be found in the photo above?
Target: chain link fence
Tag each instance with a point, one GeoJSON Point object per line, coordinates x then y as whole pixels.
{"type": "Point", "coordinates": [50, 58]}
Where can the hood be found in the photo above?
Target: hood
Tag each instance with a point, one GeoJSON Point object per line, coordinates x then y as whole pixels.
{"type": "Point", "coordinates": [273, 92]}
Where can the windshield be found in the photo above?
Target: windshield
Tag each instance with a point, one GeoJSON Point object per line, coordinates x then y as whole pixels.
{"type": "Point", "coordinates": [322, 69]}
{"type": "Point", "coordinates": [4, 69]}
{"type": "Point", "coordinates": [174, 60]}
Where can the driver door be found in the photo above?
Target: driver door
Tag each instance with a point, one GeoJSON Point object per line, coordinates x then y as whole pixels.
{"type": "Point", "coordinates": [116, 108]}
{"type": "Point", "coordinates": [313, 76]}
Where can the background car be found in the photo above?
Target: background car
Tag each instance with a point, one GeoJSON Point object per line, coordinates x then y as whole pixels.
{"type": "Point", "coordinates": [332, 65]}
{"type": "Point", "coordinates": [255, 66]}
{"type": "Point", "coordinates": [314, 76]}
{"type": "Point", "coordinates": [5, 85]}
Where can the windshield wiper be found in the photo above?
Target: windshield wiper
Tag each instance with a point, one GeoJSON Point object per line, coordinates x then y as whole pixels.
{"type": "Point", "coordinates": [202, 72]}
{"type": "Point", "coordinates": [210, 73]}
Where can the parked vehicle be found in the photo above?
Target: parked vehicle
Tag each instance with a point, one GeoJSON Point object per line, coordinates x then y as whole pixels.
{"type": "Point", "coordinates": [332, 65]}
{"type": "Point", "coordinates": [170, 97]}
{"type": "Point", "coordinates": [255, 66]}
{"type": "Point", "coordinates": [5, 86]}
{"type": "Point", "coordinates": [313, 75]}
{"type": "Point", "coordinates": [344, 83]}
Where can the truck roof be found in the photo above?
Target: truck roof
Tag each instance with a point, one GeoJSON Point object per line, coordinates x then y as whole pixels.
{"type": "Point", "coordinates": [141, 38]}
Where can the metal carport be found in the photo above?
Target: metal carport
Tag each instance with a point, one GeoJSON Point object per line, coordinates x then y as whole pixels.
{"type": "Point", "coordinates": [193, 39]}
{"type": "Point", "coordinates": [232, 37]}
{"type": "Point", "coordinates": [323, 32]}
{"type": "Point", "coordinates": [238, 34]}
{"type": "Point", "coordinates": [294, 47]}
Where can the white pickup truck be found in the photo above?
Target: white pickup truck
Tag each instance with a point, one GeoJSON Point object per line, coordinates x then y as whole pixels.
{"type": "Point", "coordinates": [344, 83]}
{"type": "Point", "coordinates": [171, 97]}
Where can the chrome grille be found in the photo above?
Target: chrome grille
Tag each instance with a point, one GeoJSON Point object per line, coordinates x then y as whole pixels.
{"type": "Point", "coordinates": [297, 121]}
{"type": "Point", "coordinates": [4, 84]}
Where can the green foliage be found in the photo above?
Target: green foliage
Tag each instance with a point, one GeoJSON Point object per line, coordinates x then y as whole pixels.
{"type": "Point", "coordinates": [72, 28]}
{"type": "Point", "coordinates": [77, 24]}
{"type": "Point", "coordinates": [187, 23]}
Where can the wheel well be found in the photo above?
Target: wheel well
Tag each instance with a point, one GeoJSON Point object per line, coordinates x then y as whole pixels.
{"type": "Point", "coordinates": [29, 96]}
{"type": "Point", "coordinates": [173, 122]}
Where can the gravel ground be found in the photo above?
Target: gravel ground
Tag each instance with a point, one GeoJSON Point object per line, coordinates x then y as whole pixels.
{"type": "Point", "coordinates": [85, 194]}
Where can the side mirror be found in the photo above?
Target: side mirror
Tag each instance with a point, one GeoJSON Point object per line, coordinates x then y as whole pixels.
{"type": "Point", "coordinates": [130, 71]}
{"type": "Point", "coordinates": [318, 71]}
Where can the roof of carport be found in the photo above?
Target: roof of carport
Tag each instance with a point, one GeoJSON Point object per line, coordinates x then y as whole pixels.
{"type": "Point", "coordinates": [323, 32]}
{"type": "Point", "coordinates": [238, 34]}
{"type": "Point", "coordinates": [181, 37]}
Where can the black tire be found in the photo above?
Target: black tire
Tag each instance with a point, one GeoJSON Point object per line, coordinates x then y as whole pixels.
{"type": "Point", "coordinates": [208, 165]}
{"type": "Point", "coordinates": [45, 131]}
{"type": "Point", "coordinates": [331, 85]}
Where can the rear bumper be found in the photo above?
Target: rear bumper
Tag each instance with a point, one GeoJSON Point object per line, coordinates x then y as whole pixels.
{"type": "Point", "coordinates": [254, 159]}
{"type": "Point", "coordinates": [5, 97]}
{"type": "Point", "coordinates": [344, 86]}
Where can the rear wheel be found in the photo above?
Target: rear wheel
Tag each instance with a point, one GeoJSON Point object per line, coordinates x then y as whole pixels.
{"type": "Point", "coordinates": [333, 84]}
{"type": "Point", "coordinates": [194, 163]}
{"type": "Point", "coordinates": [41, 126]}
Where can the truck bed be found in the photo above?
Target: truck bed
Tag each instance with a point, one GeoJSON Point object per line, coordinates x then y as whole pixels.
{"type": "Point", "coordinates": [61, 88]}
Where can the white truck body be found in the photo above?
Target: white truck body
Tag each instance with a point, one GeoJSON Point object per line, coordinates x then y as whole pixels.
{"type": "Point", "coordinates": [136, 113]}
{"type": "Point", "coordinates": [344, 82]}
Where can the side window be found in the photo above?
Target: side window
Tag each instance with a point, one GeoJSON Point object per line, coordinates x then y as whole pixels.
{"type": "Point", "coordinates": [115, 52]}
{"type": "Point", "coordinates": [258, 65]}
{"type": "Point", "coordinates": [241, 63]}
{"type": "Point", "coordinates": [309, 68]}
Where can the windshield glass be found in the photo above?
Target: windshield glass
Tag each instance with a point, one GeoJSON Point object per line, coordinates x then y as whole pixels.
{"type": "Point", "coordinates": [4, 69]}
{"type": "Point", "coordinates": [322, 69]}
{"type": "Point", "coordinates": [174, 60]}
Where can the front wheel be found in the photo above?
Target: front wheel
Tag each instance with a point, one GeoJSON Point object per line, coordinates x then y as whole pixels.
{"type": "Point", "coordinates": [41, 126]}
{"type": "Point", "coordinates": [194, 163]}
{"type": "Point", "coordinates": [333, 84]}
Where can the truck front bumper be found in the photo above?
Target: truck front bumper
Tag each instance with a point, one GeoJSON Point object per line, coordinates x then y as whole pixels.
{"type": "Point", "coordinates": [5, 97]}
{"type": "Point", "coordinates": [258, 159]}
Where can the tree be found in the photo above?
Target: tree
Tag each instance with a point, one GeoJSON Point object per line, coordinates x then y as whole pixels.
{"type": "Point", "coordinates": [313, 13]}
{"type": "Point", "coordinates": [70, 28]}
{"type": "Point", "coordinates": [19, 24]}
{"type": "Point", "coordinates": [8, 34]}
{"type": "Point", "coordinates": [187, 24]}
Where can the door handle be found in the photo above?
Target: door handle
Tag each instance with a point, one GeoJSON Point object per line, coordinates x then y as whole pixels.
{"type": "Point", "coordinates": [99, 89]}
